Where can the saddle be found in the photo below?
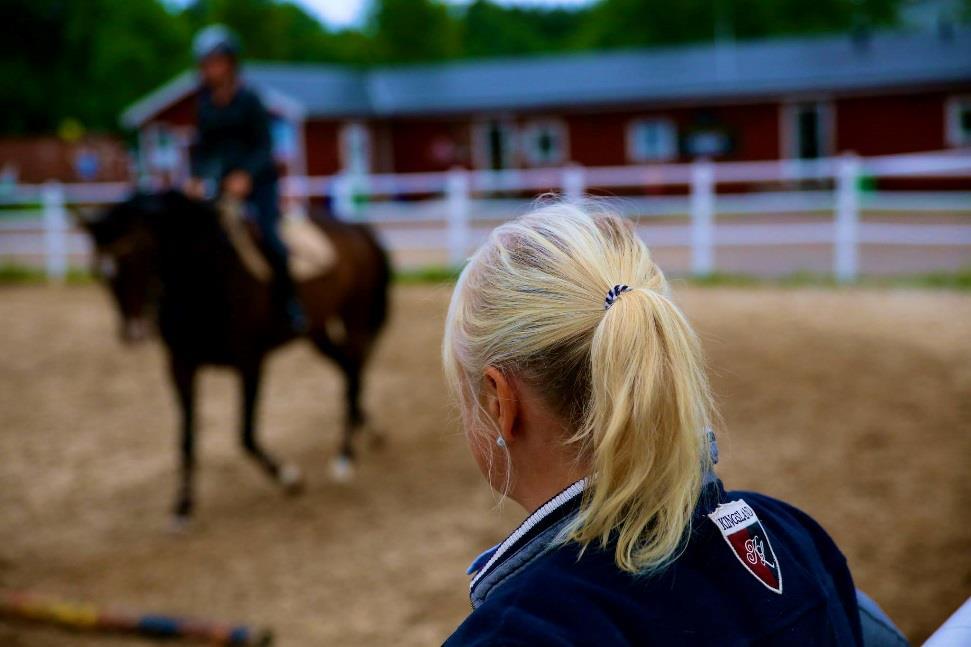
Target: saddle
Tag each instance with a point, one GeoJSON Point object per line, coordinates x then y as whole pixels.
{"type": "Point", "coordinates": [311, 252]}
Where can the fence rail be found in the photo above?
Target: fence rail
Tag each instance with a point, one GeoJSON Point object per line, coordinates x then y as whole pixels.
{"type": "Point", "coordinates": [448, 210]}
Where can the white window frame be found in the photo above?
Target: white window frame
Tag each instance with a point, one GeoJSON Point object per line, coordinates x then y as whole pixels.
{"type": "Point", "coordinates": [355, 156]}
{"type": "Point", "coordinates": [826, 143]}
{"type": "Point", "coordinates": [480, 142]}
{"type": "Point", "coordinates": [636, 155]}
{"type": "Point", "coordinates": [955, 106]}
{"type": "Point", "coordinates": [529, 139]}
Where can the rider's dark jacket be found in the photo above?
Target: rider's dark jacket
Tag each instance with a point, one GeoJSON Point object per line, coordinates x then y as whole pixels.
{"type": "Point", "coordinates": [235, 136]}
{"type": "Point", "coordinates": [759, 572]}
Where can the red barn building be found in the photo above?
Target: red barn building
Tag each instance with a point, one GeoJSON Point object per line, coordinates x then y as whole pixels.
{"type": "Point", "coordinates": [887, 92]}
{"type": "Point", "coordinates": [91, 158]}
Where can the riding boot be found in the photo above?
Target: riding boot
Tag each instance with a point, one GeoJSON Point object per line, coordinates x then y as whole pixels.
{"type": "Point", "coordinates": [267, 214]}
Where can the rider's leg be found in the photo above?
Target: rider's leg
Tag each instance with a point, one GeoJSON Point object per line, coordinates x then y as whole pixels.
{"type": "Point", "coordinates": [265, 202]}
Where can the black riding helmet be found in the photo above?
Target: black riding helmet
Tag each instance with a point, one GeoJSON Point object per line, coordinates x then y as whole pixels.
{"type": "Point", "coordinates": [215, 39]}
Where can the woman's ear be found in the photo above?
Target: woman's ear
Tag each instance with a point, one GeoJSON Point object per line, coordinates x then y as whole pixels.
{"type": "Point", "coordinates": [501, 402]}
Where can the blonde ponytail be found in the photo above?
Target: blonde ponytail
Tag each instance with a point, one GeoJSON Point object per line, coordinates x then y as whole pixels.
{"type": "Point", "coordinates": [648, 405]}
{"type": "Point", "coordinates": [628, 381]}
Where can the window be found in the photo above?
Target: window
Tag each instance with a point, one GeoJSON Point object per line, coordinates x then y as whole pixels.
{"type": "Point", "coordinates": [959, 121]}
{"type": "Point", "coordinates": [650, 140]}
{"type": "Point", "coordinates": [493, 144]}
{"type": "Point", "coordinates": [355, 147]}
{"type": "Point", "coordinates": [808, 128]}
{"type": "Point", "coordinates": [544, 142]}
{"type": "Point", "coordinates": [708, 142]}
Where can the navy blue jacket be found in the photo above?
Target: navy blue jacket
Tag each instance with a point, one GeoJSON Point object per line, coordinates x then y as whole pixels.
{"type": "Point", "coordinates": [232, 137]}
{"type": "Point", "coordinates": [533, 594]}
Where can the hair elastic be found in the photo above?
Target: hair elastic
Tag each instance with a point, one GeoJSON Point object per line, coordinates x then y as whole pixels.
{"type": "Point", "coordinates": [613, 293]}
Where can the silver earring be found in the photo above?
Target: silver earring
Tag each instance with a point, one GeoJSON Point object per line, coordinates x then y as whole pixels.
{"type": "Point", "coordinates": [501, 441]}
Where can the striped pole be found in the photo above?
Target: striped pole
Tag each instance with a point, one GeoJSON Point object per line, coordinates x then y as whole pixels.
{"type": "Point", "coordinates": [88, 617]}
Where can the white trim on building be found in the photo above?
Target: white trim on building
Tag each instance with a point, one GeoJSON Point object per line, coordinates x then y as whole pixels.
{"type": "Point", "coordinates": [354, 140]}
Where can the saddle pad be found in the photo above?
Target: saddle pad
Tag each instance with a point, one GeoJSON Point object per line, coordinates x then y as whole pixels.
{"type": "Point", "coordinates": [311, 252]}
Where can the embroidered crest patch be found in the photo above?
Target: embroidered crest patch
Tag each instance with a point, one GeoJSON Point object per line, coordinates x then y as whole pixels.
{"type": "Point", "coordinates": [746, 536]}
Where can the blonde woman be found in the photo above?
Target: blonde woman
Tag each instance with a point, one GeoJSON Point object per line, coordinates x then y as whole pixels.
{"type": "Point", "coordinates": [584, 399]}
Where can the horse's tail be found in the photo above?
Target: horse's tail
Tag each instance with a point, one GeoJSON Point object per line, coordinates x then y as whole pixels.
{"type": "Point", "coordinates": [380, 296]}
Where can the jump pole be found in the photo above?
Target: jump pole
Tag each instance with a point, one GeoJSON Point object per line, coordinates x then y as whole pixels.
{"type": "Point", "coordinates": [88, 617]}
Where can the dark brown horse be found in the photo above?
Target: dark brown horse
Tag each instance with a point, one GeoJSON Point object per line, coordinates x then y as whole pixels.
{"type": "Point", "coordinates": [169, 262]}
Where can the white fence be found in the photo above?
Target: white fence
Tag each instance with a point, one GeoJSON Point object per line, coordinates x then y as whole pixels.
{"type": "Point", "coordinates": [449, 213]}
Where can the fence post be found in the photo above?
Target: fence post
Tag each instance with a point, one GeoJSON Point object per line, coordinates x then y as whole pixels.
{"type": "Point", "coordinates": [457, 189]}
{"type": "Point", "coordinates": [55, 231]}
{"type": "Point", "coordinates": [574, 183]}
{"type": "Point", "coordinates": [845, 250]}
{"type": "Point", "coordinates": [343, 196]}
{"type": "Point", "coordinates": [702, 218]}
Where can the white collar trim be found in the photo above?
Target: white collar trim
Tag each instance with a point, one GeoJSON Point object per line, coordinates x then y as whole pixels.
{"type": "Point", "coordinates": [538, 515]}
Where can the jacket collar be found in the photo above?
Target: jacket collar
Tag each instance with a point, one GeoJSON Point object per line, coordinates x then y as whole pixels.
{"type": "Point", "coordinates": [540, 529]}
{"type": "Point", "coordinates": [563, 504]}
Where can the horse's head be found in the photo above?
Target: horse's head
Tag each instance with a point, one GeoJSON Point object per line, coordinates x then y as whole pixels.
{"type": "Point", "coordinates": [126, 259]}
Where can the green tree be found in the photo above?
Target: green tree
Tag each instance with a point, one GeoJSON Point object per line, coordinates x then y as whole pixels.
{"type": "Point", "coordinates": [489, 29]}
{"type": "Point", "coordinates": [627, 23]}
{"type": "Point", "coordinates": [131, 48]}
{"type": "Point", "coordinates": [409, 31]}
{"type": "Point", "coordinates": [62, 59]}
{"type": "Point", "coordinates": [25, 60]}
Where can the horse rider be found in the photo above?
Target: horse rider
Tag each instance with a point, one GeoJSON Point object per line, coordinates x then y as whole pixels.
{"type": "Point", "coordinates": [232, 154]}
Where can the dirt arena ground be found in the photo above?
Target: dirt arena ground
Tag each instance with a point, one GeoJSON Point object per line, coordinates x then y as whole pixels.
{"type": "Point", "coordinates": [852, 404]}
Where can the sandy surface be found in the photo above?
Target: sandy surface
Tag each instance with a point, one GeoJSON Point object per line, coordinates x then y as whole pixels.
{"type": "Point", "coordinates": [850, 404]}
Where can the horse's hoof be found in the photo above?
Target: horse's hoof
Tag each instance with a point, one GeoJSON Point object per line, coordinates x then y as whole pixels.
{"type": "Point", "coordinates": [179, 524]}
{"type": "Point", "coordinates": [291, 479]}
{"type": "Point", "coordinates": [342, 469]}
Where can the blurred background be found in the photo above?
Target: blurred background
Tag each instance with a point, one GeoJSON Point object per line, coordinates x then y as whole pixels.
{"type": "Point", "coordinates": [802, 168]}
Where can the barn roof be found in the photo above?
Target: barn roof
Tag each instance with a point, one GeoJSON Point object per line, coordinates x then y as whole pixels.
{"type": "Point", "coordinates": [788, 66]}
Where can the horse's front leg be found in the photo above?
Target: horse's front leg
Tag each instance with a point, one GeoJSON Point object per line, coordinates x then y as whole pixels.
{"type": "Point", "coordinates": [342, 469]}
{"type": "Point", "coordinates": [288, 475]}
{"type": "Point", "coordinates": [183, 375]}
